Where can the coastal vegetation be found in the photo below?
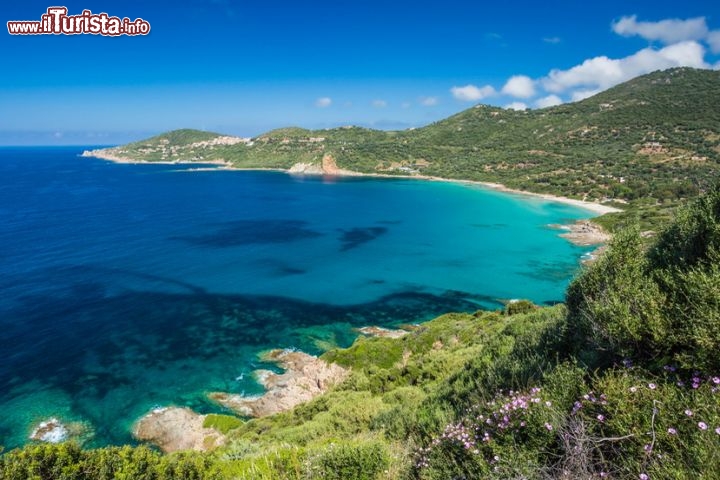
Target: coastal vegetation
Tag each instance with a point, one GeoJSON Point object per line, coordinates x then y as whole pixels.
{"type": "Point", "coordinates": [620, 382]}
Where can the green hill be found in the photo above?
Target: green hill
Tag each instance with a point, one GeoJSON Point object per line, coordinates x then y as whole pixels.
{"type": "Point", "coordinates": [186, 145]}
{"type": "Point", "coordinates": [176, 138]}
{"type": "Point", "coordinates": [655, 137]}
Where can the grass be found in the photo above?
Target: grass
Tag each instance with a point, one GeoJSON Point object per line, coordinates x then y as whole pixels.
{"type": "Point", "coordinates": [222, 423]}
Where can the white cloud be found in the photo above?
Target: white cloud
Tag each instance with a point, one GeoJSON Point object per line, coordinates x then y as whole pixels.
{"type": "Point", "coordinates": [549, 101]}
{"type": "Point", "coordinates": [471, 93]}
{"type": "Point", "coordinates": [578, 95]}
{"type": "Point", "coordinates": [519, 86]}
{"type": "Point", "coordinates": [716, 66]}
{"type": "Point", "coordinates": [406, 105]}
{"type": "Point", "coordinates": [516, 106]}
{"type": "Point", "coordinates": [592, 71]}
{"type": "Point", "coordinates": [667, 31]}
{"type": "Point", "coordinates": [603, 72]}
{"type": "Point", "coordinates": [323, 102]}
{"type": "Point", "coordinates": [713, 39]}
{"type": "Point", "coordinates": [552, 40]}
{"type": "Point", "coordinates": [379, 103]}
{"type": "Point", "coordinates": [58, 134]}
{"type": "Point", "coordinates": [428, 101]}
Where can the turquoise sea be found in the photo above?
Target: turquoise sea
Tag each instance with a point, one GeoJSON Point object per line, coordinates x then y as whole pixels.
{"type": "Point", "coordinates": [124, 287]}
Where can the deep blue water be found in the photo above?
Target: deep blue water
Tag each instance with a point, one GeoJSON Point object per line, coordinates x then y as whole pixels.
{"type": "Point", "coordinates": [124, 287]}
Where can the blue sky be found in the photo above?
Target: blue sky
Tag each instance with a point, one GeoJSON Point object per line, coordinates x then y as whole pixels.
{"type": "Point", "coordinates": [243, 68]}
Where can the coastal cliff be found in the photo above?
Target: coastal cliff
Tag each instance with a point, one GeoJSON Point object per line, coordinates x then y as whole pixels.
{"type": "Point", "coordinates": [304, 378]}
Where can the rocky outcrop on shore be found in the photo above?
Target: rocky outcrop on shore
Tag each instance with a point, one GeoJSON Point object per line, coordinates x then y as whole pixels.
{"type": "Point", "coordinates": [304, 378]}
{"type": "Point", "coordinates": [328, 166]}
{"type": "Point", "coordinates": [303, 168]}
{"type": "Point", "coordinates": [108, 154]}
{"type": "Point", "coordinates": [585, 233]}
{"type": "Point", "coordinates": [174, 428]}
{"type": "Point", "coordinates": [373, 331]}
{"type": "Point", "coordinates": [118, 155]}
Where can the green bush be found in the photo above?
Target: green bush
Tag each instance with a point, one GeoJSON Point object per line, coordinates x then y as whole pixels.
{"type": "Point", "coordinates": [68, 462]}
{"type": "Point", "coordinates": [282, 462]}
{"type": "Point", "coordinates": [663, 304]}
{"type": "Point", "coordinates": [519, 306]}
{"type": "Point", "coordinates": [686, 259]}
{"type": "Point", "coordinates": [615, 305]}
{"type": "Point", "coordinates": [692, 237]}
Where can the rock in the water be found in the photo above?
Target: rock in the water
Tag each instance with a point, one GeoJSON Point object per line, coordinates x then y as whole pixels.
{"type": "Point", "coordinates": [583, 233]}
{"type": "Point", "coordinates": [51, 431]}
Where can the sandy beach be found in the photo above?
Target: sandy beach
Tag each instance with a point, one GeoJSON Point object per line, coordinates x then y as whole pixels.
{"type": "Point", "coordinates": [596, 208]}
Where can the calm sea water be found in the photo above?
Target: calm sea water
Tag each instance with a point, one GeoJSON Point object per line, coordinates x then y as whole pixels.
{"type": "Point", "coordinates": [124, 287]}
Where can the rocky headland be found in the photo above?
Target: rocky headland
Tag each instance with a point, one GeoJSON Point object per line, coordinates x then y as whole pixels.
{"type": "Point", "coordinates": [304, 377]}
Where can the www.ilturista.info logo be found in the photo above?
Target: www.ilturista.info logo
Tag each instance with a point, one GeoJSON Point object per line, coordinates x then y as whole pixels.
{"type": "Point", "coordinates": [57, 22]}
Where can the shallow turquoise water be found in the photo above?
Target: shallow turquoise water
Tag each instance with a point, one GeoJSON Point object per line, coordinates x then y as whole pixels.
{"type": "Point", "coordinates": [131, 286]}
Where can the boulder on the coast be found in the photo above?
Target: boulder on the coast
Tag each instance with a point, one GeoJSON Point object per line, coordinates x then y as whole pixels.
{"type": "Point", "coordinates": [583, 233]}
{"type": "Point", "coordinates": [175, 428]}
{"type": "Point", "coordinates": [50, 431]}
{"type": "Point", "coordinates": [374, 331]}
{"type": "Point", "coordinates": [304, 378]}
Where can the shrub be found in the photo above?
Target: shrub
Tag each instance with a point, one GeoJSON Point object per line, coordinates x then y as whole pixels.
{"type": "Point", "coordinates": [615, 306]}
{"type": "Point", "coordinates": [68, 462]}
{"type": "Point", "coordinates": [356, 460]}
{"type": "Point", "coordinates": [692, 237]}
{"type": "Point", "coordinates": [657, 305]}
{"type": "Point", "coordinates": [519, 306]}
{"type": "Point", "coordinates": [686, 259]}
